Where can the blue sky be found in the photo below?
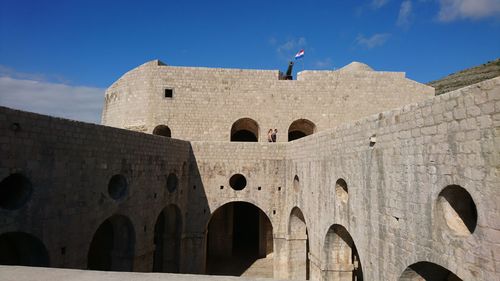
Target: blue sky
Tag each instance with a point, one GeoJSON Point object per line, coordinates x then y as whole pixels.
{"type": "Point", "coordinates": [89, 44]}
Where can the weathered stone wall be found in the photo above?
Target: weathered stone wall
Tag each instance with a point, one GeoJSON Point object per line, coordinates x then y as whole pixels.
{"type": "Point", "coordinates": [207, 101]}
{"type": "Point", "coordinates": [69, 165]}
{"type": "Point", "coordinates": [393, 212]}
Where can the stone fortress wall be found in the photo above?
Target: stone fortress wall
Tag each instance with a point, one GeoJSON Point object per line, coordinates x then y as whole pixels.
{"type": "Point", "coordinates": [387, 189]}
{"type": "Point", "coordinates": [206, 102]}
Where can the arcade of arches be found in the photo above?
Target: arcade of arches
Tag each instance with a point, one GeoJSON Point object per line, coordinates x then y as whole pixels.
{"type": "Point", "coordinates": [240, 241]}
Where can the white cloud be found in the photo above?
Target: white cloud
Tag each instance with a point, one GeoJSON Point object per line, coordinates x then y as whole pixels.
{"type": "Point", "coordinates": [375, 40]}
{"type": "Point", "coordinates": [55, 99]}
{"type": "Point", "coordinates": [404, 16]}
{"type": "Point", "coordinates": [451, 10]}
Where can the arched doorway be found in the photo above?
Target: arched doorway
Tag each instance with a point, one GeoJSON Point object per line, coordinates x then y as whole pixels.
{"type": "Point", "coordinates": [162, 130]}
{"type": "Point", "coordinates": [300, 128]}
{"type": "Point", "coordinates": [112, 247]}
{"type": "Point", "coordinates": [240, 241]}
{"type": "Point", "coordinates": [298, 246]}
{"type": "Point", "coordinates": [427, 271]}
{"type": "Point", "coordinates": [167, 240]}
{"type": "Point", "coordinates": [340, 255]}
{"type": "Point", "coordinates": [245, 129]}
{"type": "Point", "coordinates": [19, 248]}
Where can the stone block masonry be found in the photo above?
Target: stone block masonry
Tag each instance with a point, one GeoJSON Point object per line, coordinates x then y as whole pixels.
{"type": "Point", "coordinates": [406, 192]}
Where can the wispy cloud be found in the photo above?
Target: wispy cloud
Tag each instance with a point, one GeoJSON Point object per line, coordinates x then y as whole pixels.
{"type": "Point", "coordinates": [451, 10]}
{"type": "Point", "coordinates": [289, 47]}
{"type": "Point", "coordinates": [56, 99]}
{"type": "Point", "coordinates": [405, 13]}
{"type": "Point", "coordinates": [378, 3]}
{"type": "Point", "coordinates": [10, 72]}
{"type": "Point", "coordinates": [373, 41]}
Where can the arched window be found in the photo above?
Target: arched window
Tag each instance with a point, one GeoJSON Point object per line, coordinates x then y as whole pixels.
{"type": "Point", "coordinates": [162, 130]}
{"type": "Point", "coordinates": [300, 128]}
{"type": "Point", "coordinates": [245, 129]}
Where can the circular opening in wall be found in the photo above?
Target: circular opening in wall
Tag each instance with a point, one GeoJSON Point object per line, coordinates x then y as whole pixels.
{"type": "Point", "coordinates": [458, 210]}
{"type": "Point", "coordinates": [15, 191]}
{"type": "Point", "coordinates": [172, 182]}
{"type": "Point", "coordinates": [238, 182]}
{"type": "Point", "coordinates": [117, 187]}
{"type": "Point", "coordinates": [296, 183]}
{"type": "Point", "coordinates": [341, 190]}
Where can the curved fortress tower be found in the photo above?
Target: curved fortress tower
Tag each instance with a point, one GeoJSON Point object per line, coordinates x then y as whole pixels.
{"type": "Point", "coordinates": [372, 177]}
{"type": "Point", "coordinates": [203, 104]}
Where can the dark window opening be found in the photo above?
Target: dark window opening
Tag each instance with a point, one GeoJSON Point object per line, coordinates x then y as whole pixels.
{"type": "Point", "coordinates": [169, 93]}
{"type": "Point", "coordinates": [15, 191]}
{"type": "Point", "coordinates": [238, 182]}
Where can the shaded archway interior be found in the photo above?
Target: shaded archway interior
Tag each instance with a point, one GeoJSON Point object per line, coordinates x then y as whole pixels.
{"type": "Point", "coordinates": [341, 256]}
{"type": "Point", "coordinates": [300, 128]}
{"type": "Point", "coordinates": [19, 248]}
{"type": "Point", "coordinates": [246, 130]}
{"type": "Point", "coordinates": [240, 239]}
{"type": "Point", "coordinates": [167, 240]}
{"type": "Point", "coordinates": [112, 247]}
{"type": "Point", "coordinates": [427, 271]}
{"type": "Point", "coordinates": [162, 130]}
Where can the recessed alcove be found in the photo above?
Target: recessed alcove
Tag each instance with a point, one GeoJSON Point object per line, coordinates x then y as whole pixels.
{"type": "Point", "coordinates": [341, 190]}
{"type": "Point", "coordinates": [172, 182]}
{"type": "Point", "coordinates": [458, 210]}
{"type": "Point", "coordinates": [117, 187]}
{"type": "Point", "coordinates": [15, 191]}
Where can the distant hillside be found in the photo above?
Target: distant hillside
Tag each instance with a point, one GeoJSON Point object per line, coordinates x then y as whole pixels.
{"type": "Point", "coordinates": [467, 77]}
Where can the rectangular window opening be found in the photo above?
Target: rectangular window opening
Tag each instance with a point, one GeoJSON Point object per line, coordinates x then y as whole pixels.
{"type": "Point", "coordinates": [169, 93]}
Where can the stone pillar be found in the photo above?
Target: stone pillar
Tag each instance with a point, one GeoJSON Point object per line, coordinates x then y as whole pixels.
{"type": "Point", "coordinates": [297, 257]}
{"type": "Point", "coordinates": [143, 260]}
{"type": "Point", "coordinates": [193, 253]}
{"type": "Point", "coordinates": [338, 272]}
{"type": "Point", "coordinates": [280, 258]}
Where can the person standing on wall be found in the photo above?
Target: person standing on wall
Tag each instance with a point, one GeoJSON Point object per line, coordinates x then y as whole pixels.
{"type": "Point", "coordinates": [269, 135]}
{"type": "Point", "coordinates": [274, 134]}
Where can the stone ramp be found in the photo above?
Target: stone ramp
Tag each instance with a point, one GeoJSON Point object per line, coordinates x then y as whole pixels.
{"type": "Point", "coordinates": [24, 273]}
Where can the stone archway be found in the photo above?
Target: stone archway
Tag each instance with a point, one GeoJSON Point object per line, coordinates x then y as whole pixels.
{"type": "Point", "coordinates": [298, 246]}
{"type": "Point", "coordinates": [240, 241]}
{"type": "Point", "coordinates": [300, 128]}
{"type": "Point", "coordinates": [341, 259]}
{"type": "Point", "coordinates": [112, 247]}
{"type": "Point", "coordinates": [19, 248]}
{"type": "Point", "coordinates": [427, 271]}
{"type": "Point", "coordinates": [245, 129]}
{"type": "Point", "coordinates": [167, 240]}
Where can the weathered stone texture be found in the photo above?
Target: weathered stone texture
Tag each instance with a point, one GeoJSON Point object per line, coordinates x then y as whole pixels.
{"type": "Point", "coordinates": [207, 101]}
